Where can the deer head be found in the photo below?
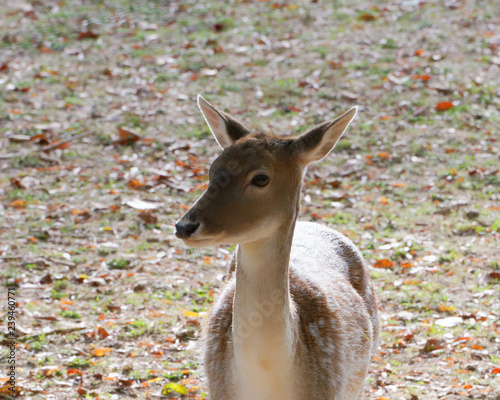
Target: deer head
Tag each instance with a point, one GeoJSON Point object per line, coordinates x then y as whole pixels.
{"type": "Point", "coordinates": [254, 185]}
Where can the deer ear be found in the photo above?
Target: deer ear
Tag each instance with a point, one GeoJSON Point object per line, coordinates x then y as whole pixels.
{"type": "Point", "coordinates": [225, 128]}
{"type": "Point", "coordinates": [316, 143]}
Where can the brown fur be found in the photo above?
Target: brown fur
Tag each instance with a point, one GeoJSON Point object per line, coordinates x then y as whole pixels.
{"type": "Point", "coordinates": [322, 326]}
{"type": "Point", "coordinates": [311, 307]}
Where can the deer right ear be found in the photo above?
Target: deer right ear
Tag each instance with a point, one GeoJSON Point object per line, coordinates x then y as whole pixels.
{"type": "Point", "coordinates": [316, 143]}
{"type": "Point", "coordinates": [225, 128]}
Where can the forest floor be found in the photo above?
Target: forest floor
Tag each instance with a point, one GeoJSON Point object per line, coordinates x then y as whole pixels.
{"type": "Point", "coordinates": [102, 148]}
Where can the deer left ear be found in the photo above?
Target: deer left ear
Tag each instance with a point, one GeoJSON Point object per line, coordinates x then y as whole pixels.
{"type": "Point", "coordinates": [316, 143]}
{"type": "Point", "coordinates": [224, 127]}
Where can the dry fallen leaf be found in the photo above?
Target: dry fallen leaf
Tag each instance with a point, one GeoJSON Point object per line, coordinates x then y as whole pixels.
{"type": "Point", "coordinates": [383, 263]}
{"type": "Point", "coordinates": [101, 352]}
{"type": "Point", "coordinates": [103, 333]}
{"type": "Point", "coordinates": [444, 105]}
{"type": "Point", "coordinates": [87, 35]}
{"type": "Point", "coordinates": [174, 387]}
{"type": "Point", "coordinates": [18, 204]}
{"type": "Point", "coordinates": [127, 136]}
{"type": "Point", "coordinates": [73, 371]}
{"type": "Point", "coordinates": [431, 345]}
{"type": "Point", "coordinates": [423, 78]}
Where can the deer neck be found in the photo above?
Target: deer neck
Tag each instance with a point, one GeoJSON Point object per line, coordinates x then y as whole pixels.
{"type": "Point", "coordinates": [263, 316]}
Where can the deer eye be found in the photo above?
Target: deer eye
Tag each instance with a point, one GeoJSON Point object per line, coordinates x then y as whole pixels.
{"type": "Point", "coordinates": [260, 180]}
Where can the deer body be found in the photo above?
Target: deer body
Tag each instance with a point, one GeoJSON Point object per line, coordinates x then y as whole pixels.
{"type": "Point", "coordinates": [297, 319]}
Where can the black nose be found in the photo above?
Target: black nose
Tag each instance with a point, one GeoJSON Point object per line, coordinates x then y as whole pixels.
{"type": "Point", "coordinates": [185, 229]}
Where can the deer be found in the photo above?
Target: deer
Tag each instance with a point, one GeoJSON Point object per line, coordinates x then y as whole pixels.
{"type": "Point", "coordinates": [297, 318]}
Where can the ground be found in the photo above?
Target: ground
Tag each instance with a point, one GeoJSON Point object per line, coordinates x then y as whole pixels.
{"type": "Point", "coordinates": [102, 149]}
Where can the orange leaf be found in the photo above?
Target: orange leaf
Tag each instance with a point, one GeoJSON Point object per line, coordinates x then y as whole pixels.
{"type": "Point", "coordinates": [496, 371]}
{"type": "Point", "coordinates": [49, 371]}
{"type": "Point", "coordinates": [9, 391]}
{"type": "Point", "coordinates": [419, 52]}
{"type": "Point", "coordinates": [444, 308]}
{"type": "Point", "coordinates": [444, 105]}
{"type": "Point", "coordinates": [383, 200]}
{"type": "Point", "coordinates": [62, 146]}
{"type": "Point", "coordinates": [423, 78]}
{"type": "Point", "coordinates": [103, 351]}
{"type": "Point", "coordinates": [73, 371]}
{"type": "Point", "coordinates": [135, 184]}
{"type": "Point", "coordinates": [18, 204]}
{"type": "Point", "coordinates": [406, 265]}
{"type": "Point", "coordinates": [207, 260]}
{"type": "Point", "coordinates": [383, 263]}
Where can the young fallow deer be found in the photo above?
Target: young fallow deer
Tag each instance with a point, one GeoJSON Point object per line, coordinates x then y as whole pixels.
{"type": "Point", "coordinates": [298, 318]}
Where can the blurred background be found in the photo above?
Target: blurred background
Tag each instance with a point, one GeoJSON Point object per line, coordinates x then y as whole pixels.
{"type": "Point", "coordinates": [102, 149]}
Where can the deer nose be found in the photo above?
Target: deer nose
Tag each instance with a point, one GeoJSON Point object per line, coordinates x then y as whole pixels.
{"type": "Point", "coordinates": [183, 230]}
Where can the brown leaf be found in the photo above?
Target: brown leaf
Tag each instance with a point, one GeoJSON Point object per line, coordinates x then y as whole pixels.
{"type": "Point", "coordinates": [81, 391]}
{"type": "Point", "coordinates": [113, 308]}
{"type": "Point", "coordinates": [219, 27]}
{"type": "Point", "coordinates": [126, 382]}
{"type": "Point", "coordinates": [366, 16]}
{"type": "Point", "coordinates": [40, 139]}
{"type": "Point", "coordinates": [49, 318]}
{"type": "Point", "coordinates": [148, 217]}
{"type": "Point", "coordinates": [46, 279]}
{"type": "Point", "coordinates": [87, 35]}
{"type": "Point", "coordinates": [16, 182]}
{"type": "Point", "coordinates": [103, 333]}
{"type": "Point", "coordinates": [62, 146]}
{"type": "Point", "coordinates": [431, 345]}
{"type": "Point", "coordinates": [495, 275]}
{"type": "Point", "coordinates": [127, 135]}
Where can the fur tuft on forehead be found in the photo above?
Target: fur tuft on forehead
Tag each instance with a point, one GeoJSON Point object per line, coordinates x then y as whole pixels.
{"type": "Point", "coordinates": [268, 141]}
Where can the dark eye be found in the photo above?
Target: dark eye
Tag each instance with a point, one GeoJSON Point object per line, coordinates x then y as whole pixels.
{"type": "Point", "coordinates": [260, 180]}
